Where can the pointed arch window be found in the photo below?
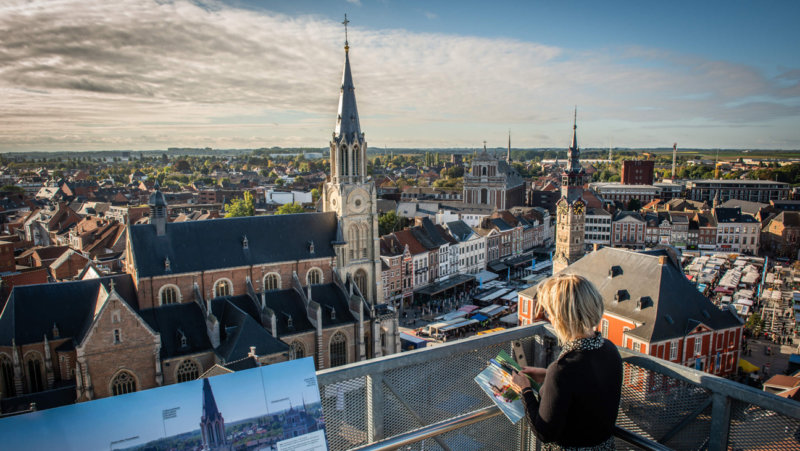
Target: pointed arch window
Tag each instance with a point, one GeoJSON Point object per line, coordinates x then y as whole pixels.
{"type": "Point", "coordinates": [364, 240]}
{"type": "Point", "coordinates": [187, 371]}
{"type": "Point", "coordinates": [360, 279]}
{"type": "Point", "coordinates": [356, 160]}
{"type": "Point", "coordinates": [33, 368]}
{"type": "Point", "coordinates": [338, 349]}
{"type": "Point", "coordinates": [354, 241]}
{"type": "Point", "coordinates": [7, 376]}
{"type": "Point", "coordinates": [296, 350]}
{"type": "Point", "coordinates": [272, 281]}
{"type": "Point", "coordinates": [124, 382]}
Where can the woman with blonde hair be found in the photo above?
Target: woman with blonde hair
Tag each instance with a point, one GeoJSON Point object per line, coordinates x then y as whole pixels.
{"type": "Point", "coordinates": [580, 392]}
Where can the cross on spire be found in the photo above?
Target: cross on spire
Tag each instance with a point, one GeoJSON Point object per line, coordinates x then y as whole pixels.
{"type": "Point", "coordinates": [111, 285]}
{"type": "Point", "coordinates": [345, 22]}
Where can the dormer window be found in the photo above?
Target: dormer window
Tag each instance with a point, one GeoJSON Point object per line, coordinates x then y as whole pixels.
{"type": "Point", "coordinates": [56, 332]}
{"type": "Point", "coordinates": [184, 342]}
{"type": "Point", "coordinates": [310, 247]}
{"type": "Point", "coordinates": [333, 313]}
{"type": "Point", "coordinates": [167, 264]}
{"type": "Point", "coordinates": [245, 243]}
{"type": "Point", "coordinates": [289, 322]}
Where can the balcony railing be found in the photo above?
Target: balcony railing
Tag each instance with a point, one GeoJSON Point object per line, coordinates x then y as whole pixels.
{"type": "Point", "coordinates": [427, 399]}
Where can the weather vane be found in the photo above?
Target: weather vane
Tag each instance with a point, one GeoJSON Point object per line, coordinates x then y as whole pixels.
{"type": "Point", "coordinates": [345, 22]}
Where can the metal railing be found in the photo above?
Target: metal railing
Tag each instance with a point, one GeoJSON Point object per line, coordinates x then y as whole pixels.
{"type": "Point", "coordinates": [427, 399]}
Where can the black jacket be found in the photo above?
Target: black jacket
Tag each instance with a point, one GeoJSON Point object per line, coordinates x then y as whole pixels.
{"type": "Point", "coordinates": [579, 400]}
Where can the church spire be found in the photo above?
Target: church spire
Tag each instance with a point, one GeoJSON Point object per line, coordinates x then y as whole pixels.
{"type": "Point", "coordinates": [508, 155]}
{"type": "Point", "coordinates": [348, 128]}
{"type": "Point", "coordinates": [574, 153]}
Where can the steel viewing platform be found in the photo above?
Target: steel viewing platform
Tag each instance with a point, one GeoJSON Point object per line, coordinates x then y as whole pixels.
{"type": "Point", "coordinates": [428, 399]}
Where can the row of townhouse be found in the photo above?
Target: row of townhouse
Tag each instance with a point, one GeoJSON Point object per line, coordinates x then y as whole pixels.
{"type": "Point", "coordinates": [718, 229]}
{"type": "Point", "coordinates": [428, 252]}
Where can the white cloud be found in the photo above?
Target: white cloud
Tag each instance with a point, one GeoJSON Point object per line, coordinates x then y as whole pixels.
{"type": "Point", "coordinates": [146, 74]}
{"type": "Point", "coordinates": [355, 2]}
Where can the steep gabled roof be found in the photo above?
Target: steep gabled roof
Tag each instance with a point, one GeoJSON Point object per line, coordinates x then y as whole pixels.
{"type": "Point", "coordinates": [175, 321]}
{"type": "Point", "coordinates": [206, 245]}
{"type": "Point", "coordinates": [32, 310]}
{"type": "Point", "coordinates": [670, 305]}
{"type": "Point", "coordinates": [238, 332]}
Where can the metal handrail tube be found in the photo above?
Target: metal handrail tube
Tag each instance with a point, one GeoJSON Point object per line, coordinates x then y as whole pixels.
{"type": "Point", "coordinates": [638, 440]}
{"type": "Point", "coordinates": [433, 430]}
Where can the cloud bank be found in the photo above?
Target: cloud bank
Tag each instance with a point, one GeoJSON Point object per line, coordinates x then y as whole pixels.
{"type": "Point", "coordinates": [140, 74]}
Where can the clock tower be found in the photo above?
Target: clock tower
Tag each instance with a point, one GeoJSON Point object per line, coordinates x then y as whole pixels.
{"type": "Point", "coordinates": [571, 209]}
{"type": "Point", "coordinates": [352, 196]}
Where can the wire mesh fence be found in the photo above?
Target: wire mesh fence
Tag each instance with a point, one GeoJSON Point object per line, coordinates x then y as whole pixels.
{"type": "Point", "coordinates": [667, 404]}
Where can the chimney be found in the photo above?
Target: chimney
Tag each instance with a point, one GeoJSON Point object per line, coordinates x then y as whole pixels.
{"type": "Point", "coordinates": [662, 259]}
{"type": "Point", "coordinates": [595, 247]}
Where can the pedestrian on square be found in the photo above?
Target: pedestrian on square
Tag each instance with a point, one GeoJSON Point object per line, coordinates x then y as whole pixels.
{"type": "Point", "coordinates": [580, 393]}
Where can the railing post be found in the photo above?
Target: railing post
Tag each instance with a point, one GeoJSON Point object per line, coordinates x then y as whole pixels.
{"type": "Point", "coordinates": [720, 422]}
{"type": "Point", "coordinates": [375, 407]}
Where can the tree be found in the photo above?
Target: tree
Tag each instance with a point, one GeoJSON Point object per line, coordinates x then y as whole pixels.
{"type": "Point", "coordinates": [314, 194]}
{"type": "Point", "coordinates": [754, 323]}
{"type": "Point", "coordinates": [634, 205]}
{"type": "Point", "coordinates": [389, 222]}
{"type": "Point", "coordinates": [287, 209]}
{"type": "Point", "coordinates": [241, 207]}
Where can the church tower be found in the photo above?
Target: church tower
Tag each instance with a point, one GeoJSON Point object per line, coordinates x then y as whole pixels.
{"type": "Point", "coordinates": [571, 209]}
{"type": "Point", "coordinates": [212, 425]}
{"type": "Point", "coordinates": [352, 196]}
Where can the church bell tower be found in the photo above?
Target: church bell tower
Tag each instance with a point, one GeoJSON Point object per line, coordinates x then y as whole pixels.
{"type": "Point", "coordinates": [571, 209]}
{"type": "Point", "coordinates": [352, 196]}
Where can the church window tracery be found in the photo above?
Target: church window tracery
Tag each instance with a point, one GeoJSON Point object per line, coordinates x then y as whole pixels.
{"type": "Point", "coordinates": [338, 349]}
{"type": "Point", "coordinates": [124, 382]}
{"type": "Point", "coordinates": [296, 350]}
{"type": "Point", "coordinates": [33, 366]}
{"type": "Point", "coordinates": [187, 371]}
{"type": "Point", "coordinates": [7, 376]}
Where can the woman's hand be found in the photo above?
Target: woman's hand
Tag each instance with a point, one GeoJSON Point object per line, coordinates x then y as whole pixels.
{"type": "Point", "coordinates": [521, 380]}
{"type": "Point", "coordinates": [537, 374]}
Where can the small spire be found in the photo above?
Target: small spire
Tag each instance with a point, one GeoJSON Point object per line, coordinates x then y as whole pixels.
{"type": "Point", "coordinates": [508, 156]}
{"type": "Point", "coordinates": [346, 44]}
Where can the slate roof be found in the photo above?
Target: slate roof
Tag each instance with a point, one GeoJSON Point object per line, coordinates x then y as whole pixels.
{"type": "Point", "coordinates": [239, 331]}
{"type": "Point", "coordinates": [31, 310]}
{"type": "Point", "coordinates": [747, 207]}
{"type": "Point", "coordinates": [213, 244]}
{"type": "Point", "coordinates": [331, 298]}
{"type": "Point", "coordinates": [672, 305]}
{"type": "Point", "coordinates": [348, 127]}
{"type": "Point", "coordinates": [728, 215]}
{"type": "Point", "coordinates": [286, 303]}
{"type": "Point", "coordinates": [628, 214]}
{"type": "Point", "coordinates": [176, 320]}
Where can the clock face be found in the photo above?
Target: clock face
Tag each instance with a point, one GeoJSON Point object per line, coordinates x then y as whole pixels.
{"type": "Point", "coordinates": [562, 208]}
{"type": "Point", "coordinates": [578, 208]}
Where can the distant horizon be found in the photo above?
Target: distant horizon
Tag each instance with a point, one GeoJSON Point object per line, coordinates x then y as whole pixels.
{"type": "Point", "coordinates": [394, 149]}
{"type": "Point", "coordinates": [229, 74]}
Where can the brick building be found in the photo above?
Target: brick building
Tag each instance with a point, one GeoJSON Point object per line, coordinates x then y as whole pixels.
{"type": "Point", "coordinates": [628, 230]}
{"type": "Point", "coordinates": [651, 308]}
{"type": "Point", "coordinates": [492, 181]}
{"type": "Point", "coordinates": [637, 172]}
{"type": "Point", "coordinates": [781, 235]}
{"type": "Point", "coordinates": [206, 294]}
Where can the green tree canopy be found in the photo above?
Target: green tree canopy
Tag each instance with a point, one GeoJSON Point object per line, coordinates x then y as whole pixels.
{"type": "Point", "coordinates": [241, 207]}
{"type": "Point", "coordinates": [389, 222]}
{"type": "Point", "coordinates": [287, 209]}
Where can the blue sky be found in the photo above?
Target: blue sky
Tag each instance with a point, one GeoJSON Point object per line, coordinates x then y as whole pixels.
{"type": "Point", "coordinates": [93, 425]}
{"type": "Point", "coordinates": [146, 74]}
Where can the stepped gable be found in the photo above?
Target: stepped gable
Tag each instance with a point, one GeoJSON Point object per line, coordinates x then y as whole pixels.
{"type": "Point", "coordinates": [215, 244]}
{"type": "Point", "coordinates": [32, 310]}
{"type": "Point", "coordinates": [671, 305]}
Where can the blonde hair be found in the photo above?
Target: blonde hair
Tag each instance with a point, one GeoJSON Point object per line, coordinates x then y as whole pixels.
{"type": "Point", "coordinates": [572, 304]}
